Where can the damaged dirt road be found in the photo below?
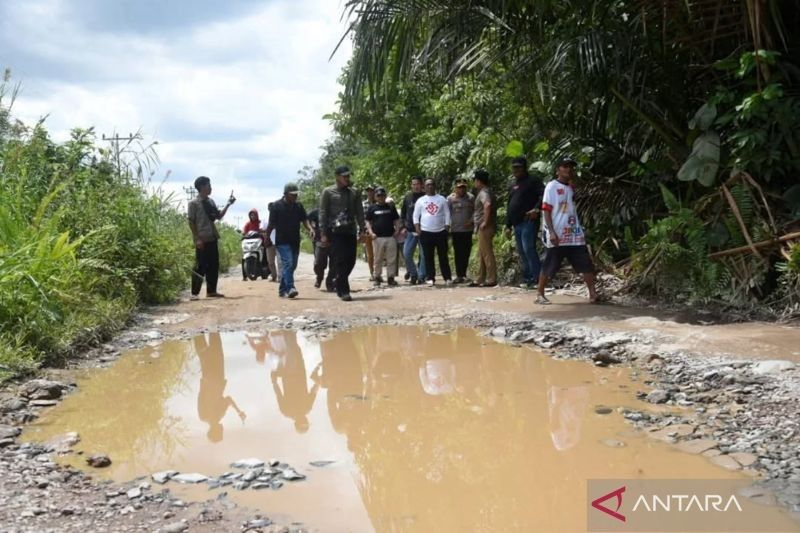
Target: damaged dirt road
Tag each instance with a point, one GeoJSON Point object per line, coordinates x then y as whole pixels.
{"type": "Point", "coordinates": [673, 398]}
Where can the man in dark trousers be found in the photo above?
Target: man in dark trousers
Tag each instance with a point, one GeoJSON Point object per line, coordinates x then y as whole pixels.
{"type": "Point", "coordinates": [522, 214]}
{"type": "Point", "coordinates": [321, 255]}
{"type": "Point", "coordinates": [462, 207]}
{"type": "Point", "coordinates": [341, 218]}
{"type": "Point", "coordinates": [202, 213]}
{"type": "Point", "coordinates": [285, 217]}
{"type": "Point", "coordinates": [564, 234]}
{"type": "Point", "coordinates": [416, 271]}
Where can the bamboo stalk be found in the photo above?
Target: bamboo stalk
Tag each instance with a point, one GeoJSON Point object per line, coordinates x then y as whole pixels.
{"type": "Point", "coordinates": [762, 244]}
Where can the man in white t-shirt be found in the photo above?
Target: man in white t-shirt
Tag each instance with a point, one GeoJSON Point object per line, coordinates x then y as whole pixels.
{"type": "Point", "coordinates": [563, 234]}
{"type": "Point", "coordinates": [432, 222]}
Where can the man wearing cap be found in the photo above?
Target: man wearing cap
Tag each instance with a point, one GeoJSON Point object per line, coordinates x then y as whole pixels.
{"type": "Point", "coordinates": [382, 225]}
{"type": "Point", "coordinates": [368, 247]}
{"type": "Point", "coordinates": [485, 226]}
{"type": "Point", "coordinates": [415, 271]}
{"type": "Point", "coordinates": [202, 213]}
{"type": "Point", "coordinates": [564, 235]}
{"type": "Point", "coordinates": [285, 217]}
{"type": "Point", "coordinates": [462, 206]}
{"type": "Point", "coordinates": [522, 215]}
{"type": "Point", "coordinates": [341, 216]}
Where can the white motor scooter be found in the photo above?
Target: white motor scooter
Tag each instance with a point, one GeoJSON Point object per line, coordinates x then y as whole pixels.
{"type": "Point", "coordinates": [253, 256]}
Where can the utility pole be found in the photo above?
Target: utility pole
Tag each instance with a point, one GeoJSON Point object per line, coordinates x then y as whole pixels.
{"type": "Point", "coordinates": [190, 192]}
{"type": "Point", "coordinates": [115, 140]}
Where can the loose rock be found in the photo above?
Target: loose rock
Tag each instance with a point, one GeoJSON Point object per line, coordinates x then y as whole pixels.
{"type": "Point", "coordinates": [163, 477]}
{"type": "Point", "coordinates": [190, 478]}
{"type": "Point", "coordinates": [658, 396]}
{"type": "Point", "coordinates": [98, 461]}
{"type": "Point", "coordinates": [42, 389]}
{"type": "Point", "coordinates": [248, 463]}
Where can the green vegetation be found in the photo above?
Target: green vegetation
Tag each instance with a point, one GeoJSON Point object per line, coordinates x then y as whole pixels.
{"type": "Point", "coordinates": [81, 242]}
{"type": "Point", "coordinates": [685, 117]}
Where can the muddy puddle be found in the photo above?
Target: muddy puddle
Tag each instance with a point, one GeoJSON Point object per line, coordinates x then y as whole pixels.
{"type": "Point", "coordinates": [425, 431]}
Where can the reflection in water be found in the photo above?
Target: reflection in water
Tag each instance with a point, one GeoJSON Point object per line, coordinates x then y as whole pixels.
{"type": "Point", "coordinates": [260, 344]}
{"type": "Point", "coordinates": [566, 407]}
{"type": "Point", "coordinates": [429, 432]}
{"type": "Point", "coordinates": [212, 404]}
{"type": "Point", "coordinates": [289, 380]}
{"type": "Point", "coordinates": [342, 374]}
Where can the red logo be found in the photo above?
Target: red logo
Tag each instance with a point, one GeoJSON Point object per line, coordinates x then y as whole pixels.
{"type": "Point", "coordinates": [618, 493]}
{"type": "Point", "coordinates": [432, 208]}
{"type": "Point", "coordinates": [560, 191]}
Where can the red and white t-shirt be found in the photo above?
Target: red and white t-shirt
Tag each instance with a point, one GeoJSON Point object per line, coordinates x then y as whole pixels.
{"type": "Point", "coordinates": [558, 199]}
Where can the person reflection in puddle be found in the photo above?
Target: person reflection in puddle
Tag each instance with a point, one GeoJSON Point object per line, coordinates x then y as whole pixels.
{"type": "Point", "coordinates": [260, 345]}
{"type": "Point", "coordinates": [212, 404]}
{"type": "Point", "coordinates": [294, 399]}
{"type": "Point", "coordinates": [342, 375]}
{"type": "Point", "coordinates": [565, 409]}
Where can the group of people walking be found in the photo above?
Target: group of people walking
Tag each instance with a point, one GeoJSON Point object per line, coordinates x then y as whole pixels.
{"type": "Point", "coordinates": [426, 224]}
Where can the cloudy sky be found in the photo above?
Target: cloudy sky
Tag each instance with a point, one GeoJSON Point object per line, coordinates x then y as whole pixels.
{"type": "Point", "coordinates": [232, 89]}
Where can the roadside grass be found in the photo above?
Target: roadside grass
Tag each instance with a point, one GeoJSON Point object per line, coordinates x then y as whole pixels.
{"type": "Point", "coordinates": [82, 244]}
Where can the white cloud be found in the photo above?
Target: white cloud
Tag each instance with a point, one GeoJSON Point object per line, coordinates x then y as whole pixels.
{"type": "Point", "coordinates": [240, 100]}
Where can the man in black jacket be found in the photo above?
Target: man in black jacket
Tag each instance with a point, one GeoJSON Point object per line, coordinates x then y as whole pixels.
{"type": "Point", "coordinates": [415, 271]}
{"type": "Point", "coordinates": [341, 218]}
{"type": "Point", "coordinates": [522, 214]}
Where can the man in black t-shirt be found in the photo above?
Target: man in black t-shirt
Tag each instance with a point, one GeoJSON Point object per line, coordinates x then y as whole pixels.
{"type": "Point", "coordinates": [522, 215]}
{"type": "Point", "coordinates": [383, 223]}
{"type": "Point", "coordinates": [285, 217]}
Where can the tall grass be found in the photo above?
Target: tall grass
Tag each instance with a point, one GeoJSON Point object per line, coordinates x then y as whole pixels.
{"type": "Point", "coordinates": [82, 243]}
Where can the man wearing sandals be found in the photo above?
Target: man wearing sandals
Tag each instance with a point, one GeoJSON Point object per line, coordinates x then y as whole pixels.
{"type": "Point", "coordinates": [563, 234]}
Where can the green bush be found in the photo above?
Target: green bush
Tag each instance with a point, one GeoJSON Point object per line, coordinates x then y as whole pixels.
{"type": "Point", "coordinates": [81, 245]}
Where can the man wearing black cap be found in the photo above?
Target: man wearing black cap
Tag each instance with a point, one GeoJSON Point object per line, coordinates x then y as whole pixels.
{"type": "Point", "coordinates": [522, 214]}
{"type": "Point", "coordinates": [382, 225]}
{"type": "Point", "coordinates": [564, 235]}
{"type": "Point", "coordinates": [341, 217]}
{"type": "Point", "coordinates": [202, 213]}
{"type": "Point", "coordinates": [462, 206]}
{"type": "Point", "coordinates": [285, 217]}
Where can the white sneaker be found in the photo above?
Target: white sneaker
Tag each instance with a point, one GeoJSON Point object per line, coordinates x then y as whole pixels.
{"type": "Point", "coordinates": [430, 283]}
{"type": "Point", "coordinates": [448, 283]}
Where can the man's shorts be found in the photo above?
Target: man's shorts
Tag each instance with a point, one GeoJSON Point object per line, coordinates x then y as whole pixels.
{"type": "Point", "coordinates": [578, 257]}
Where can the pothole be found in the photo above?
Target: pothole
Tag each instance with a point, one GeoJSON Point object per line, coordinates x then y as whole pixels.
{"type": "Point", "coordinates": [386, 428]}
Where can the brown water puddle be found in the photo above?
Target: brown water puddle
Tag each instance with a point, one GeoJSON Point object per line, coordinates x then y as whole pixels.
{"type": "Point", "coordinates": [429, 432]}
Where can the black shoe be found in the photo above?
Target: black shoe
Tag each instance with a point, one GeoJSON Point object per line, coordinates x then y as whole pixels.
{"type": "Point", "coordinates": [407, 276]}
{"type": "Point", "coordinates": [318, 283]}
{"type": "Point", "coordinates": [293, 293]}
{"type": "Point", "coordinates": [391, 282]}
{"type": "Point", "coordinates": [244, 279]}
{"type": "Point", "coordinates": [346, 298]}
{"type": "Point", "coordinates": [414, 280]}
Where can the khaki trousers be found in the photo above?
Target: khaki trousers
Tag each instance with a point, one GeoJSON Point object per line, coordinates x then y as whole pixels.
{"type": "Point", "coordinates": [385, 249]}
{"type": "Point", "coordinates": [487, 270]}
{"type": "Point", "coordinates": [369, 249]}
